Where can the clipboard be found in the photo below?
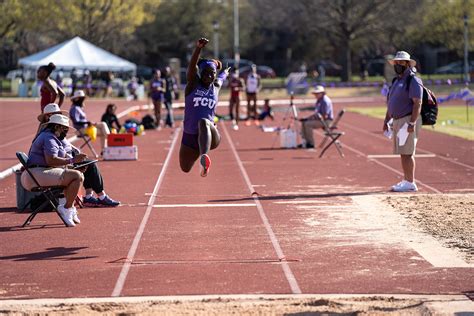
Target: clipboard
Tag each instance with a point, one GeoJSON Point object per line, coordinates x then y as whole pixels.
{"type": "Point", "coordinates": [83, 164]}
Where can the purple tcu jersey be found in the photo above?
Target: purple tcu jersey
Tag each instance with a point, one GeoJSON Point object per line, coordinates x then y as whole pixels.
{"type": "Point", "coordinates": [200, 103]}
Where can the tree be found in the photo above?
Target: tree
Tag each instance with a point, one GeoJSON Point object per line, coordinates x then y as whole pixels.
{"type": "Point", "coordinates": [352, 23]}
{"type": "Point", "coordinates": [443, 24]}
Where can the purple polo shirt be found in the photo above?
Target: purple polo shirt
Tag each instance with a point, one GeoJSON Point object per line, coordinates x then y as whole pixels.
{"type": "Point", "coordinates": [46, 144]}
{"type": "Point", "coordinates": [324, 107]}
{"type": "Point", "coordinates": [78, 116]}
{"type": "Point", "coordinates": [400, 101]}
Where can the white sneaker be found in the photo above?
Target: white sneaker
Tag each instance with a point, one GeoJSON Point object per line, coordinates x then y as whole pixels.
{"type": "Point", "coordinates": [399, 184]}
{"type": "Point", "coordinates": [75, 218]}
{"type": "Point", "coordinates": [405, 186]}
{"type": "Point", "coordinates": [67, 215]}
{"type": "Point", "coordinates": [235, 127]}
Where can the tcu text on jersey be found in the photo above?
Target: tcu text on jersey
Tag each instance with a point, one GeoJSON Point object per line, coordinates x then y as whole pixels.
{"type": "Point", "coordinates": [201, 101]}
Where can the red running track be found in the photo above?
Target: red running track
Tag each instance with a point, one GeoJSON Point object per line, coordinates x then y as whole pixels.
{"type": "Point", "coordinates": [311, 228]}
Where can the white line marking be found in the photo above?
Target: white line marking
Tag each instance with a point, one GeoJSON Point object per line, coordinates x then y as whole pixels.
{"type": "Point", "coordinates": [9, 171]}
{"type": "Point", "coordinates": [16, 141]}
{"type": "Point", "coordinates": [133, 249]}
{"type": "Point", "coordinates": [286, 268]}
{"type": "Point", "coordinates": [398, 156]}
{"type": "Point", "coordinates": [390, 168]}
{"type": "Point", "coordinates": [386, 166]}
{"type": "Point", "coordinates": [418, 148]}
{"type": "Point", "coordinates": [202, 205]}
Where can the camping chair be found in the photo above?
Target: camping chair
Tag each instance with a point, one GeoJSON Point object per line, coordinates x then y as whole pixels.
{"type": "Point", "coordinates": [49, 193]}
{"type": "Point", "coordinates": [330, 132]}
{"type": "Point", "coordinates": [87, 142]}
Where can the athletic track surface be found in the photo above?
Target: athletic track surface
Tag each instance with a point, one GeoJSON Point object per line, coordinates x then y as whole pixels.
{"type": "Point", "coordinates": [312, 225]}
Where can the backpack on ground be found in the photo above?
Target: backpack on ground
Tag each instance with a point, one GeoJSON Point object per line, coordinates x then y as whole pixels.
{"type": "Point", "coordinates": [149, 122]}
{"type": "Point", "coordinates": [429, 104]}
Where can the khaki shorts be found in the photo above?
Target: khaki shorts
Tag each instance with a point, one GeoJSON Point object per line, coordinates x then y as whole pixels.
{"type": "Point", "coordinates": [46, 177]}
{"type": "Point", "coordinates": [410, 145]}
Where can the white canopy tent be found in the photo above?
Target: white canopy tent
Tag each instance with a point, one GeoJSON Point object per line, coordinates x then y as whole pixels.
{"type": "Point", "coordinates": [80, 54]}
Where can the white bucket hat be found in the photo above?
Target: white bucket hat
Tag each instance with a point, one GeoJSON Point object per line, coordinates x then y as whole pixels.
{"type": "Point", "coordinates": [78, 94]}
{"type": "Point", "coordinates": [402, 55]}
{"type": "Point", "coordinates": [51, 108]}
{"type": "Point", "coordinates": [318, 89]}
{"type": "Point", "coordinates": [60, 120]}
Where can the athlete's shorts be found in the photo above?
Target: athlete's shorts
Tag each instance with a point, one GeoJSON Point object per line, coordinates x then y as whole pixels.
{"type": "Point", "coordinates": [190, 140]}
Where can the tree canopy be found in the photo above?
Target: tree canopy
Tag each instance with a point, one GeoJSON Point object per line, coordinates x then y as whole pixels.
{"type": "Point", "coordinates": [280, 33]}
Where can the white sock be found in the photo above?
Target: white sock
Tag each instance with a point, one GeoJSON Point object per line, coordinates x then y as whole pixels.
{"type": "Point", "coordinates": [102, 197]}
{"type": "Point", "coordinates": [88, 196]}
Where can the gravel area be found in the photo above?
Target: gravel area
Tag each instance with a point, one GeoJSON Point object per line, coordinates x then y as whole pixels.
{"type": "Point", "coordinates": [447, 217]}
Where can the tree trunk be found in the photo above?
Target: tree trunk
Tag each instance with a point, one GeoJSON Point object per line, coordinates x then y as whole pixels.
{"type": "Point", "coordinates": [346, 74]}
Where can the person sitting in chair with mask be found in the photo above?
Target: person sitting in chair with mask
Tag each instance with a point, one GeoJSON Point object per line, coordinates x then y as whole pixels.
{"type": "Point", "coordinates": [93, 181]}
{"type": "Point", "coordinates": [49, 163]}
{"type": "Point", "coordinates": [323, 107]}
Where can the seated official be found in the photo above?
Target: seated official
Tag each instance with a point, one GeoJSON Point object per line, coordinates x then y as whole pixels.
{"type": "Point", "coordinates": [322, 107]}
{"type": "Point", "coordinates": [80, 121]}
{"type": "Point", "coordinates": [48, 163]}
{"type": "Point", "coordinates": [93, 181]}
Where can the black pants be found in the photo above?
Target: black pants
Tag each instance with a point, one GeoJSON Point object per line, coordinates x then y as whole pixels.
{"type": "Point", "coordinates": [93, 179]}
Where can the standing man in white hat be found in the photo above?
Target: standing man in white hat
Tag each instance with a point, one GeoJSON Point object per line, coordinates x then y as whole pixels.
{"type": "Point", "coordinates": [323, 107]}
{"type": "Point", "coordinates": [404, 106]}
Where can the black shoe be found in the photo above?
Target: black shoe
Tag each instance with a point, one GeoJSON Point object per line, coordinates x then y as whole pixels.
{"type": "Point", "coordinates": [309, 146]}
{"type": "Point", "coordinates": [305, 146]}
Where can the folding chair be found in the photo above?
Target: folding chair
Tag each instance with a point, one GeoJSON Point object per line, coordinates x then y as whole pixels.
{"type": "Point", "coordinates": [330, 132]}
{"type": "Point", "coordinates": [87, 142]}
{"type": "Point", "coordinates": [49, 193]}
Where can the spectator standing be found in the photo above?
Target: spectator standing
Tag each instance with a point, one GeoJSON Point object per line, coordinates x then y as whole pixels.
{"type": "Point", "coordinates": [49, 89]}
{"type": "Point", "coordinates": [404, 106]}
{"type": "Point", "coordinates": [236, 85]}
{"type": "Point", "coordinates": [170, 88]}
{"type": "Point", "coordinates": [109, 77]}
{"type": "Point", "coordinates": [253, 85]}
{"type": "Point", "coordinates": [324, 108]}
{"type": "Point", "coordinates": [157, 90]}
{"type": "Point", "coordinates": [87, 80]}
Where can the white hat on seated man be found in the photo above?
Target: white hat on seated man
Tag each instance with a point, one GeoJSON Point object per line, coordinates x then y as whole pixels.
{"type": "Point", "coordinates": [318, 89]}
{"type": "Point", "coordinates": [60, 120]}
{"type": "Point", "coordinates": [78, 94]}
{"type": "Point", "coordinates": [49, 109]}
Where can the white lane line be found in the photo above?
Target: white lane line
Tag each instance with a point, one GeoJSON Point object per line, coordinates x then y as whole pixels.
{"type": "Point", "coordinates": [202, 205]}
{"type": "Point", "coordinates": [133, 249]}
{"type": "Point", "coordinates": [390, 168]}
{"type": "Point", "coordinates": [418, 148]}
{"type": "Point", "coordinates": [17, 141]}
{"type": "Point", "coordinates": [358, 152]}
{"type": "Point", "coordinates": [398, 156]}
{"type": "Point", "coordinates": [9, 171]}
{"type": "Point", "coordinates": [276, 245]}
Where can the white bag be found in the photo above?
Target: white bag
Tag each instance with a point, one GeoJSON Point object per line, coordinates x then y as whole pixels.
{"type": "Point", "coordinates": [288, 138]}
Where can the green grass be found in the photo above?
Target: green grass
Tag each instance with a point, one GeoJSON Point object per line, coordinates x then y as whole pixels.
{"type": "Point", "coordinates": [452, 119]}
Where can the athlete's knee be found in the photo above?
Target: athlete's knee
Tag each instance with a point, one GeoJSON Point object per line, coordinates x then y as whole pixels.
{"type": "Point", "coordinates": [185, 167]}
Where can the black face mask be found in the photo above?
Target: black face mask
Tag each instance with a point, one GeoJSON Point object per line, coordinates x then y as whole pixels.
{"type": "Point", "coordinates": [62, 135]}
{"type": "Point", "coordinates": [399, 69]}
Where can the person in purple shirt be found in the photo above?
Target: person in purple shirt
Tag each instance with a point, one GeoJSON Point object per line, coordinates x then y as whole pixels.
{"type": "Point", "coordinates": [48, 163]}
{"type": "Point", "coordinates": [404, 106]}
{"type": "Point", "coordinates": [79, 118]}
{"type": "Point", "coordinates": [323, 107]}
{"type": "Point", "coordinates": [157, 88]}
{"type": "Point", "coordinates": [200, 134]}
